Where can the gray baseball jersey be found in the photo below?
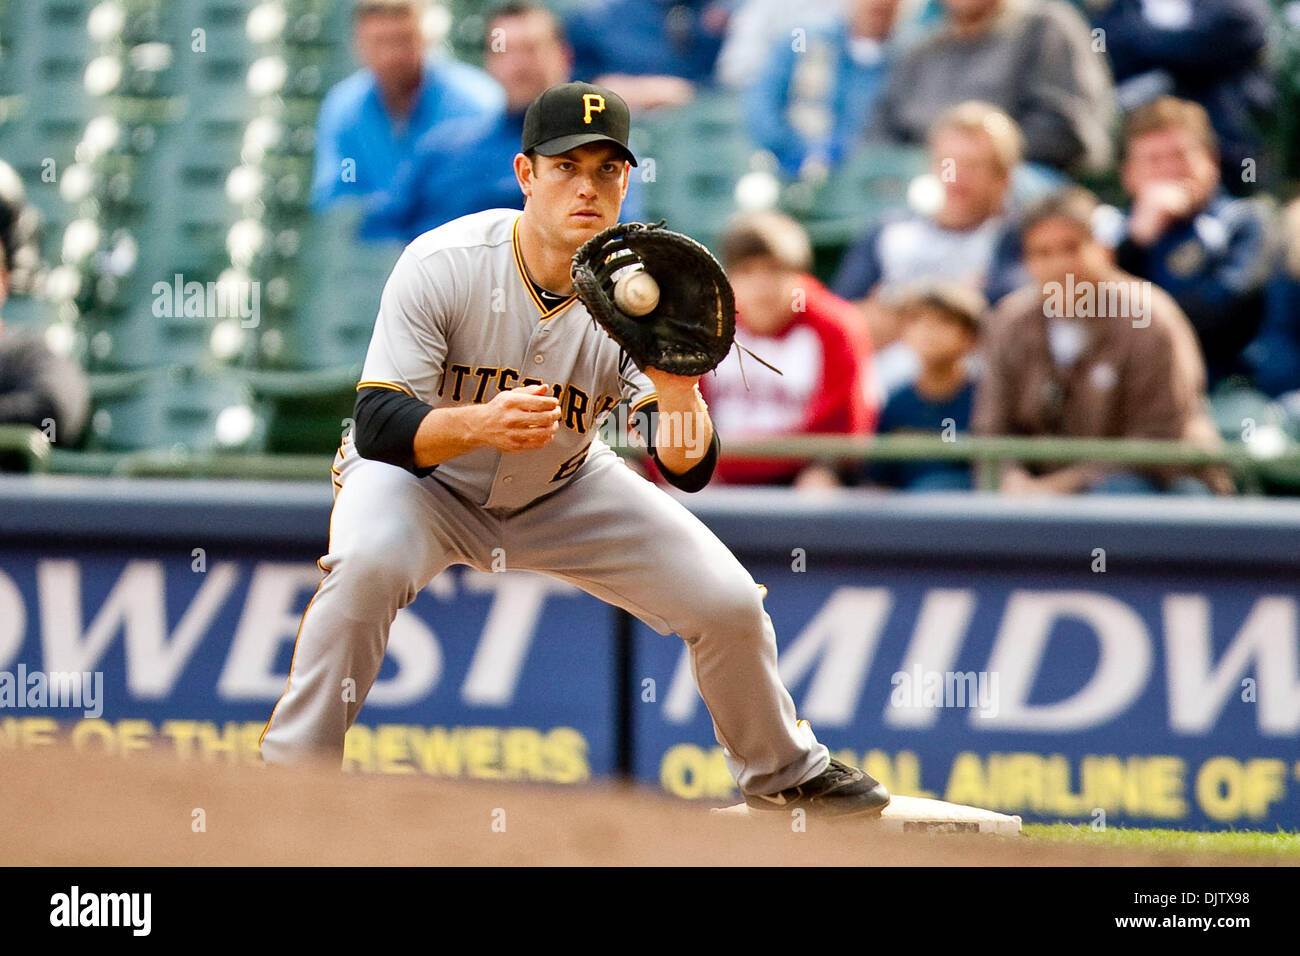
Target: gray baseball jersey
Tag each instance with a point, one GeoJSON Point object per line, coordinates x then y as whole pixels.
{"type": "Point", "coordinates": [458, 322]}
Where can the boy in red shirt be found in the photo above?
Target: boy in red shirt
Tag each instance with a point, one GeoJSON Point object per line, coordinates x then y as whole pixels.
{"type": "Point", "coordinates": [790, 319]}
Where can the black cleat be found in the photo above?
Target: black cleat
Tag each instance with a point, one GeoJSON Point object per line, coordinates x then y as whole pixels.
{"type": "Point", "coordinates": [838, 791]}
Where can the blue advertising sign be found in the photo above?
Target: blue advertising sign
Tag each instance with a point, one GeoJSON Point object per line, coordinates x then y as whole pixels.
{"type": "Point", "coordinates": [495, 676]}
{"type": "Point", "coordinates": [1152, 700]}
{"type": "Point", "coordinates": [968, 648]}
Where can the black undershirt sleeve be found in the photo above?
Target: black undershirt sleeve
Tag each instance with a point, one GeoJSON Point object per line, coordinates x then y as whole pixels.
{"type": "Point", "coordinates": [386, 422]}
{"type": "Point", "coordinates": [695, 477]}
{"type": "Point", "coordinates": [385, 425]}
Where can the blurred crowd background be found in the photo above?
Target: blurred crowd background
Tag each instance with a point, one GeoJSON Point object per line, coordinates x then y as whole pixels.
{"type": "Point", "coordinates": [1030, 218]}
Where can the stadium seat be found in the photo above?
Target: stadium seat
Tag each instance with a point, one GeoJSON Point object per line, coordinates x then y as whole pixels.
{"type": "Point", "coordinates": [867, 185]}
{"type": "Point", "coordinates": [699, 152]}
{"type": "Point", "coordinates": [25, 312]}
{"type": "Point", "coordinates": [336, 288]}
{"type": "Point", "coordinates": [180, 409]}
{"type": "Point", "coordinates": [44, 49]}
{"type": "Point", "coordinates": [1285, 129]}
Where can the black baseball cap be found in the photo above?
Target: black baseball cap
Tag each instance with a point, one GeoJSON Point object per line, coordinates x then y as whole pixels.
{"type": "Point", "coordinates": [574, 114]}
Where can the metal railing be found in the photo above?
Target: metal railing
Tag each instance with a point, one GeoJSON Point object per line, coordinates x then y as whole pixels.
{"type": "Point", "coordinates": [23, 448]}
{"type": "Point", "coordinates": [1245, 462]}
{"type": "Point", "coordinates": [29, 447]}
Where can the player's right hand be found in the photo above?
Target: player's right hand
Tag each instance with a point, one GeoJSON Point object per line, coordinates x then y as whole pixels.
{"type": "Point", "coordinates": [521, 419]}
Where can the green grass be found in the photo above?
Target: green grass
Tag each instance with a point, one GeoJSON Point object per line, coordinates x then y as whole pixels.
{"type": "Point", "coordinates": [1280, 843]}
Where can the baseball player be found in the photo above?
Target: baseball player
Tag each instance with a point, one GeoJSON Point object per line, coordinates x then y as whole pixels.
{"type": "Point", "coordinates": [476, 423]}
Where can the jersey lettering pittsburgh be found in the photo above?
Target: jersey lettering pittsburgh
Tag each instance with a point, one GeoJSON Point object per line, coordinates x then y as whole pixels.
{"type": "Point", "coordinates": [459, 322]}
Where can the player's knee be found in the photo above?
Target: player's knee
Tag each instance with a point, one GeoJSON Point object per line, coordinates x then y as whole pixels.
{"type": "Point", "coordinates": [378, 574]}
{"type": "Point", "coordinates": [733, 611]}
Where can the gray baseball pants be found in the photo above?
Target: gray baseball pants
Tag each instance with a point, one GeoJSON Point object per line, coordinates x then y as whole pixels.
{"type": "Point", "coordinates": [609, 532]}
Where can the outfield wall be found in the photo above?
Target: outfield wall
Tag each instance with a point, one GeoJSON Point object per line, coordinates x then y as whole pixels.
{"type": "Point", "coordinates": [1134, 661]}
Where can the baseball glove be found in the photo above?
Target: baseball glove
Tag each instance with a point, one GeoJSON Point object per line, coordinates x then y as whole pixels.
{"type": "Point", "coordinates": [692, 327]}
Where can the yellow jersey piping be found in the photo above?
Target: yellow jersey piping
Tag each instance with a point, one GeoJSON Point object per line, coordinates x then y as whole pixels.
{"type": "Point", "coordinates": [528, 285]}
{"type": "Point", "coordinates": [387, 385]}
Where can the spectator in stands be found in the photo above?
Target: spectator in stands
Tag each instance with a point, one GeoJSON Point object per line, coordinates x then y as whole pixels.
{"type": "Point", "coordinates": [941, 322]}
{"type": "Point", "coordinates": [811, 103]}
{"type": "Point", "coordinates": [1034, 60]}
{"type": "Point", "coordinates": [1211, 252]}
{"type": "Point", "coordinates": [974, 147]}
{"type": "Point", "coordinates": [37, 387]}
{"type": "Point", "coordinates": [20, 233]}
{"type": "Point", "coordinates": [1274, 356]}
{"type": "Point", "coordinates": [370, 122]}
{"type": "Point", "coordinates": [1209, 51]}
{"type": "Point", "coordinates": [465, 166]}
{"type": "Point", "coordinates": [653, 53]}
{"type": "Point", "coordinates": [755, 26]}
{"type": "Point", "coordinates": [789, 319]}
{"type": "Point", "coordinates": [1088, 351]}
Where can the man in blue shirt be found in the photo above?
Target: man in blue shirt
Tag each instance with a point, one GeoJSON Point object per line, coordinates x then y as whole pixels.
{"type": "Point", "coordinates": [653, 53]}
{"type": "Point", "coordinates": [467, 165]}
{"type": "Point", "coordinates": [369, 123]}
{"type": "Point", "coordinates": [1211, 252]}
{"type": "Point", "coordinates": [812, 101]}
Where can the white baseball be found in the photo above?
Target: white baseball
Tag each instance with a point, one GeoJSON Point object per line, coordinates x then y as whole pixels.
{"type": "Point", "coordinates": [637, 294]}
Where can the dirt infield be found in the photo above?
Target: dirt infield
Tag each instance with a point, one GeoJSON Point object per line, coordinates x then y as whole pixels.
{"type": "Point", "coordinates": [57, 808]}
